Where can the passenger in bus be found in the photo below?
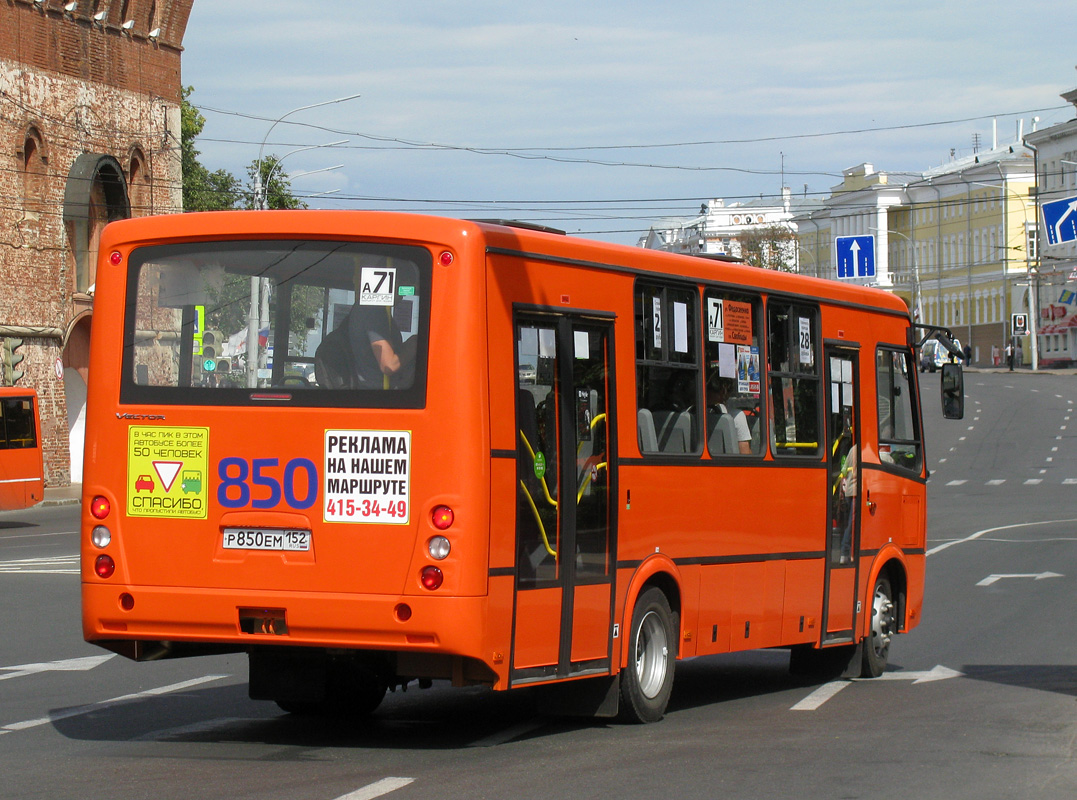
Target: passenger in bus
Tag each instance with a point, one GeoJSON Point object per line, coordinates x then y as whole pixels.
{"type": "Point", "coordinates": [719, 390]}
{"type": "Point", "coordinates": [376, 344]}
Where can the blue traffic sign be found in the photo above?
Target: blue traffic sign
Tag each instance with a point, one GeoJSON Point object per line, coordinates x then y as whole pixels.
{"type": "Point", "coordinates": [856, 256]}
{"type": "Point", "coordinates": [1060, 220]}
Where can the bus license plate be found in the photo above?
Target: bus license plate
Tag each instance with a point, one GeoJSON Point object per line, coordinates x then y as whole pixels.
{"type": "Point", "coordinates": [266, 539]}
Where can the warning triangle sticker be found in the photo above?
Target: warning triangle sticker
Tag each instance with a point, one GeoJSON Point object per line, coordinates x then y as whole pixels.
{"type": "Point", "coordinates": [167, 472]}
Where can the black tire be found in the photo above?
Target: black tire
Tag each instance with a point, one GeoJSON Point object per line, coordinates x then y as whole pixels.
{"type": "Point", "coordinates": [647, 681]}
{"type": "Point", "coordinates": [349, 693]}
{"type": "Point", "coordinates": [884, 625]}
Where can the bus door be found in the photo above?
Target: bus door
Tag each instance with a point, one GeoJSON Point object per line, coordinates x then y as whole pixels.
{"type": "Point", "coordinates": [843, 509]}
{"type": "Point", "coordinates": [564, 490]}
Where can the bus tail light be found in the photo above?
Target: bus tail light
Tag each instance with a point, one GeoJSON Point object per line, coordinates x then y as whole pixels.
{"type": "Point", "coordinates": [100, 507]}
{"type": "Point", "coordinates": [442, 517]}
{"type": "Point", "coordinates": [104, 566]}
{"type": "Point", "coordinates": [431, 577]}
{"type": "Point", "coordinates": [101, 537]}
{"type": "Point", "coordinates": [438, 547]}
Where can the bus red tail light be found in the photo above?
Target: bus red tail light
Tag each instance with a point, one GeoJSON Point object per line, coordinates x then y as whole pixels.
{"type": "Point", "coordinates": [100, 507]}
{"type": "Point", "coordinates": [104, 566]}
{"type": "Point", "coordinates": [431, 578]}
{"type": "Point", "coordinates": [442, 517]}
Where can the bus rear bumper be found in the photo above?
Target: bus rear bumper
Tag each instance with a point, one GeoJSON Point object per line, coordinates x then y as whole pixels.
{"type": "Point", "coordinates": [172, 621]}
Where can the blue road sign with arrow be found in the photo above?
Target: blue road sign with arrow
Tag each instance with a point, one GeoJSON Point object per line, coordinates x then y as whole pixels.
{"type": "Point", "coordinates": [856, 256]}
{"type": "Point", "coordinates": [1060, 220]}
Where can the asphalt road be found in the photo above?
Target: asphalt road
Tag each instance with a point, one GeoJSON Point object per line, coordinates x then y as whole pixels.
{"type": "Point", "coordinates": [979, 701]}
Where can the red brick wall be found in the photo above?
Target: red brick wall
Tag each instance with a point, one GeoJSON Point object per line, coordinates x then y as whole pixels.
{"type": "Point", "coordinates": [86, 87]}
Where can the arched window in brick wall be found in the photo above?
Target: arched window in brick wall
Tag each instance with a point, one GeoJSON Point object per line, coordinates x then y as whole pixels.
{"type": "Point", "coordinates": [33, 164]}
{"type": "Point", "coordinates": [138, 183]}
{"type": "Point", "coordinates": [95, 194]}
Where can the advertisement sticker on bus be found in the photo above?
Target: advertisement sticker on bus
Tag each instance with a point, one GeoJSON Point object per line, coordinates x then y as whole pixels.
{"type": "Point", "coordinates": [367, 476]}
{"type": "Point", "coordinates": [166, 470]}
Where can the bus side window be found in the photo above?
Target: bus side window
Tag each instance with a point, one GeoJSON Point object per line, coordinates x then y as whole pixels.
{"type": "Point", "coordinates": [899, 436]}
{"type": "Point", "coordinates": [795, 384]}
{"type": "Point", "coordinates": [667, 369]}
{"type": "Point", "coordinates": [732, 335]}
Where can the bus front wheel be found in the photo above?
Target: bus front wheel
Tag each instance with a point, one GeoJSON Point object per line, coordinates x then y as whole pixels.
{"type": "Point", "coordinates": [883, 628]}
{"type": "Point", "coordinates": [647, 681]}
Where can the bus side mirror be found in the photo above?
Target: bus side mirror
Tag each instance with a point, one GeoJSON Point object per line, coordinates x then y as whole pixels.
{"type": "Point", "coordinates": [953, 391]}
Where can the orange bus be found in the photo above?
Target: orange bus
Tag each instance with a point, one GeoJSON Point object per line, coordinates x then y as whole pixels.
{"type": "Point", "coordinates": [370, 448]}
{"type": "Point", "coordinates": [22, 481]}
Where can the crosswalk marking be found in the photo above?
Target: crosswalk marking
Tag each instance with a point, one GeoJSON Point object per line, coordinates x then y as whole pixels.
{"type": "Point", "coordinates": [56, 565]}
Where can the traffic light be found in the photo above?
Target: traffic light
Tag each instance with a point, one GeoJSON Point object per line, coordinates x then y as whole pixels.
{"type": "Point", "coordinates": [212, 358]}
{"type": "Point", "coordinates": [12, 359]}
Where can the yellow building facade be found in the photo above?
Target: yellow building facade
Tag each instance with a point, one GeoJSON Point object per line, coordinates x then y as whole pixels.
{"type": "Point", "coordinates": [953, 242]}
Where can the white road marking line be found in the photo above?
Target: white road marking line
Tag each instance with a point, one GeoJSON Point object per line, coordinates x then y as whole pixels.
{"type": "Point", "coordinates": [957, 483]}
{"type": "Point", "coordinates": [76, 711]}
{"type": "Point", "coordinates": [820, 696]}
{"type": "Point", "coordinates": [377, 789]}
{"type": "Point", "coordinates": [54, 565]}
{"type": "Point", "coordinates": [996, 482]}
{"type": "Point", "coordinates": [973, 537]}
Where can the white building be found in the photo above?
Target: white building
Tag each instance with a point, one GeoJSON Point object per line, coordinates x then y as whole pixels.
{"type": "Point", "coordinates": [1056, 274]}
{"type": "Point", "coordinates": [733, 230]}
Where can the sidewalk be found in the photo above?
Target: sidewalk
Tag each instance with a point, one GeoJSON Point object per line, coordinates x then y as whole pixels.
{"type": "Point", "coordinates": [62, 495]}
{"type": "Point", "coordinates": [1022, 370]}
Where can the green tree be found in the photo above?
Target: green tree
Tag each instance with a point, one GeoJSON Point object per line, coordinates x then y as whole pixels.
{"type": "Point", "coordinates": [202, 190]}
{"type": "Point", "coordinates": [276, 187]}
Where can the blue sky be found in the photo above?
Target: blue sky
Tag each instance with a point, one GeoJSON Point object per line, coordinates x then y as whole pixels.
{"type": "Point", "coordinates": [601, 117]}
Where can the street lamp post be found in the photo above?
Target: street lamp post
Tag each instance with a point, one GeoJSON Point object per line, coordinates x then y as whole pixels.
{"type": "Point", "coordinates": [915, 272]}
{"type": "Point", "coordinates": [261, 191]}
{"type": "Point", "coordinates": [252, 316]}
{"type": "Point", "coordinates": [278, 120]}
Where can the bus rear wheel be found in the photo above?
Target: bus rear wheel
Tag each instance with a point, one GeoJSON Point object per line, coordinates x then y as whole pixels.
{"type": "Point", "coordinates": [352, 690]}
{"type": "Point", "coordinates": [883, 628]}
{"type": "Point", "coordinates": [647, 682]}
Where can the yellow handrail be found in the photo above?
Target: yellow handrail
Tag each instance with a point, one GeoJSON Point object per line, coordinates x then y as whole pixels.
{"type": "Point", "coordinates": [538, 519]}
{"type": "Point", "coordinates": [545, 488]}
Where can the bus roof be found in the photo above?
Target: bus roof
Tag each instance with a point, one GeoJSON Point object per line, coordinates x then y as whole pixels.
{"type": "Point", "coordinates": [497, 235]}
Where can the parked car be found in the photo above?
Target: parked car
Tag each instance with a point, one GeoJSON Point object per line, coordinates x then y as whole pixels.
{"type": "Point", "coordinates": [934, 354]}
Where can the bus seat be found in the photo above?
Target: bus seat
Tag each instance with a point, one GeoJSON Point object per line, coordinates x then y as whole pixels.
{"type": "Point", "coordinates": [674, 431]}
{"type": "Point", "coordinates": [723, 438]}
{"type": "Point", "coordinates": [648, 439]}
{"type": "Point", "coordinates": [334, 367]}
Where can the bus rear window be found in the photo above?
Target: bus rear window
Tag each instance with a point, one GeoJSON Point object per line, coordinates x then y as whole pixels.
{"type": "Point", "coordinates": [312, 323]}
